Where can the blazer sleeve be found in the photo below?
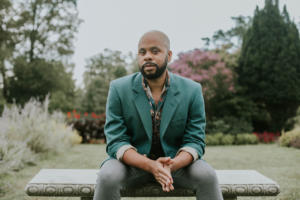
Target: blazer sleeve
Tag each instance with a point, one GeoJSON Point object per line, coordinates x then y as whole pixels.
{"type": "Point", "coordinates": [115, 129]}
{"type": "Point", "coordinates": [194, 135]}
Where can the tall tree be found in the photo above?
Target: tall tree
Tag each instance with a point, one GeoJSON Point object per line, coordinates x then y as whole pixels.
{"type": "Point", "coordinates": [101, 69]}
{"type": "Point", "coordinates": [49, 28]}
{"type": "Point", "coordinates": [233, 37]}
{"type": "Point", "coordinates": [43, 46]}
{"type": "Point", "coordinates": [9, 27]}
{"type": "Point", "coordinates": [40, 78]}
{"type": "Point", "coordinates": [269, 65]}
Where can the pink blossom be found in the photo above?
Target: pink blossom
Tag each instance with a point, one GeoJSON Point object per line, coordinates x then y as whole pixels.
{"type": "Point", "coordinates": [205, 67]}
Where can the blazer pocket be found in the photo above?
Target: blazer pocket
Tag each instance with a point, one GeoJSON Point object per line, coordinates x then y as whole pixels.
{"type": "Point", "coordinates": [178, 120]}
{"type": "Point", "coordinates": [177, 123]}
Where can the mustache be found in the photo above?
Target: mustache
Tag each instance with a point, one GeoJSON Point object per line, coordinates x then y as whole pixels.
{"type": "Point", "coordinates": [149, 63]}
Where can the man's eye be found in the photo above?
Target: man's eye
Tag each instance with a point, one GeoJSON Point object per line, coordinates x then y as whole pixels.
{"type": "Point", "coordinates": [142, 52]}
{"type": "Point", "coordinates": [155, 51]}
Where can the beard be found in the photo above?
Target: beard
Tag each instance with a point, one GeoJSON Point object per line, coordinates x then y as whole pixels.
{"type": "Point", "coordinates": [158, 72]}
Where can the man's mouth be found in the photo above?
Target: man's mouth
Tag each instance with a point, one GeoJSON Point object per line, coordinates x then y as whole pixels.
{"type": "Point", "coordinates": [149, 65]}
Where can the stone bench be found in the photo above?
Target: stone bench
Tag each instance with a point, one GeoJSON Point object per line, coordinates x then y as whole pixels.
{"type": "Point", "coordinates": [81, 183]}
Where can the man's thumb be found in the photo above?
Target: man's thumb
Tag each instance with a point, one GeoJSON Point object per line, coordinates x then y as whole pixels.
{"type": "Point", "coordinates": [164, 159]}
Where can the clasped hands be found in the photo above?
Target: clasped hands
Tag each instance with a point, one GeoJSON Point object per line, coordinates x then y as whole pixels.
{"type": "Point", "coordinates": [161, 170]}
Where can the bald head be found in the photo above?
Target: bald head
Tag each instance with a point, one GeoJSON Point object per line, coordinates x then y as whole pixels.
{"type": "Point", "coordinates": [157, 35]}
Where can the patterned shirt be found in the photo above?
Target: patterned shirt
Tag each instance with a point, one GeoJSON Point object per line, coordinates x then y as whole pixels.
{"type": "Point", "coordinates": [155, 111]}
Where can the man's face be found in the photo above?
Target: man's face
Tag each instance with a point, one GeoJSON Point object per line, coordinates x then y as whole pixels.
{"type": "Point", "coordinates": [153, 56]}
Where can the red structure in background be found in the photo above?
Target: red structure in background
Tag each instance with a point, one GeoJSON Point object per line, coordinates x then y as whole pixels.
{"type": "Point", "coordinates": [89, 126]}
{"type": "Point", "coordinates": [267, 137]}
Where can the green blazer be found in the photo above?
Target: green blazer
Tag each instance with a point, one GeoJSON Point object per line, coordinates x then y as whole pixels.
{"type": "Point", "coordinates": [128, 119]}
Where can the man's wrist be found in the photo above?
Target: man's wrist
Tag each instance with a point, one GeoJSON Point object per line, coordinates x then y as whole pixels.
{"type": "Point", "coordinates": [149, 165]}
{"type": "Point", "coordinates": [122, 150]}
{"type": "Point", "coordinates": [190, 150]}
{"type": "Point", "coordinates": [174, 165]}
{"type": "Point", "coordinates": [181, 160]}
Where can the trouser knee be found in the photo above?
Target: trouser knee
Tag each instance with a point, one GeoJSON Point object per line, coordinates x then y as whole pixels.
{"type": "Point", "coordinates": [111, 175]}
{"type": "Point", "coordinates": [204, 174]}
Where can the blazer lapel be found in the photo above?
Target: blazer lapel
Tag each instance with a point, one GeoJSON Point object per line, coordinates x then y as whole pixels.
{"type": "Point", "coordinates": [142, 105]}
{"type": "Point", "coordinates": [170, 105]}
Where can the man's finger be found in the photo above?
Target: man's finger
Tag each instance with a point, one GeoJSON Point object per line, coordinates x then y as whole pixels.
{"type": "Point", "coordinates": [164, 159]}
{"type": "Point", "coordinates": [163, 185]}
{"type": "Point", "coordinates": [170, 162]}
{"type": "Point", "coordinates": [171, 187]}
{"type": "Point", "coordinates": [164, 178]}
{"type": "Point", "coordinates": [166, 173]}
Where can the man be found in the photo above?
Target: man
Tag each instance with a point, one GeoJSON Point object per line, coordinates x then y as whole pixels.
{"type": "Point", "coordinates": [155, 128]}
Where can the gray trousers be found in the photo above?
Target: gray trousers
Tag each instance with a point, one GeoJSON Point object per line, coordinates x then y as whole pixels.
{"type": "Point", "coordinates": [114, 175]}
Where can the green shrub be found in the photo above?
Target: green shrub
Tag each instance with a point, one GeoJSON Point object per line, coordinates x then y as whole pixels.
{"type": "Point", "coordinates": [246, 138]}
{"type": "Point", "coordinates": [229, 125]}
{"type": "Point", "coordinates": [296, 142]}
{"type": "Point", "coordinates": [30, 130]}
{"type": "Point", "coordinates": [89, 126]}
{"type": "Point", "coordinates": [14, 155]}
{"type": "Point", "coordinates": [211, 140]}
{"type": "Point", "coordinates": [290, 138]}
{"type": "Point", "coordinates": [40, 130]}
{"type": "Point", "coordinates": [214, 139]}
{"type": "Point", "coordinates": [227, 139]}
{"type": "Point", "coordinates": [216, 126]}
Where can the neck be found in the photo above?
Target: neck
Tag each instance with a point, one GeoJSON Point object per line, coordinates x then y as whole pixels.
{"type": "Point", "coordinates": [157, 85]}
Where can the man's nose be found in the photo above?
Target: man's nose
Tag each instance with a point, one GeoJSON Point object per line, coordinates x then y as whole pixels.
{"type": "Point", "coordinates": [148, 56]}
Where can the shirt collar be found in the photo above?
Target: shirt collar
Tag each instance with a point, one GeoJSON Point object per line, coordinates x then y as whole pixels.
{"type": "Point", "coordinates": [166, 85]}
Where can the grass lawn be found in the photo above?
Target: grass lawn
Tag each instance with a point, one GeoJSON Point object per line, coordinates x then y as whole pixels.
{"type": "Point", "coordinates": [279, 163]}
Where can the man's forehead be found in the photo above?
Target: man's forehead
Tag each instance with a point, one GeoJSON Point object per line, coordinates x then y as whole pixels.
{"type": "Point", "coordinates": [153, 39]}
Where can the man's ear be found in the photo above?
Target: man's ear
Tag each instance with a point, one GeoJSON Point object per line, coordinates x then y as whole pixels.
{"type": "Point", "coordinates": [170, 53]}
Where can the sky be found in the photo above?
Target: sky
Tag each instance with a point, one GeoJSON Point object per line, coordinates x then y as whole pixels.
{"type": "Point", "coordinates": [118, 24]}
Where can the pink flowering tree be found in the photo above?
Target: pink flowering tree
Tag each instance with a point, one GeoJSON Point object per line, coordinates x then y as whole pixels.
{"type": "Point", "coordinates": [208, 69]}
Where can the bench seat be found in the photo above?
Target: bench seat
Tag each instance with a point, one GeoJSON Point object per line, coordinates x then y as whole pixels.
{"type": "Point", "coordinates": [81, 183]}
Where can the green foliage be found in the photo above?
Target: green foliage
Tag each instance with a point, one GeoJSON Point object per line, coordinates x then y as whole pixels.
{"type": "Point", "coordinates": [246, 138]}
{"type": "Point", "coordinates": [228, 124]}
{"type": "Point", "coordinates": [290, 138]}
{"type": "Point", "coordinates": [9, 27]}
{"type": "Point", "coordinates": [213, 139]}
{"type": "Point", "coordinates": [227, 139]}
{"type": "Point", "coordinates": [89, 126]}
{"type": "Point", "coordinates": [207, 68]}
{"type": "Point", "coordinates": [36, 40]}
{"type": "Point", "coordinates": [132, 63]}
{"type": "Point", "coordinates": [27, 132]}
{"type": "Point", "coordinates": [269, 65]}
{"type": "Point", "coordinates": [40, 130]}
{"type": "Point", "coordinates": [101, 69]}
{"type": "Point", "coordinates": [229, 57]}
{"type": "Point", "coordinates": [2, 101]}
{"type": "Point", "coordinates": [216, 126]}
{"type": "Point", "coordinates": [226, 39]}
{"type": "Point", "coordinates": [230, 139]}
{"type": "Point", "coordinates": [31, 130]}
{"type": "Point", "coordinates": [14, 155]}
{"type": "Point", "coordinates": [49, 28]}
{"type": "Point", "coordinates": [293, 122]}
{"type": "Point", "coordinates": [39, 78]}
